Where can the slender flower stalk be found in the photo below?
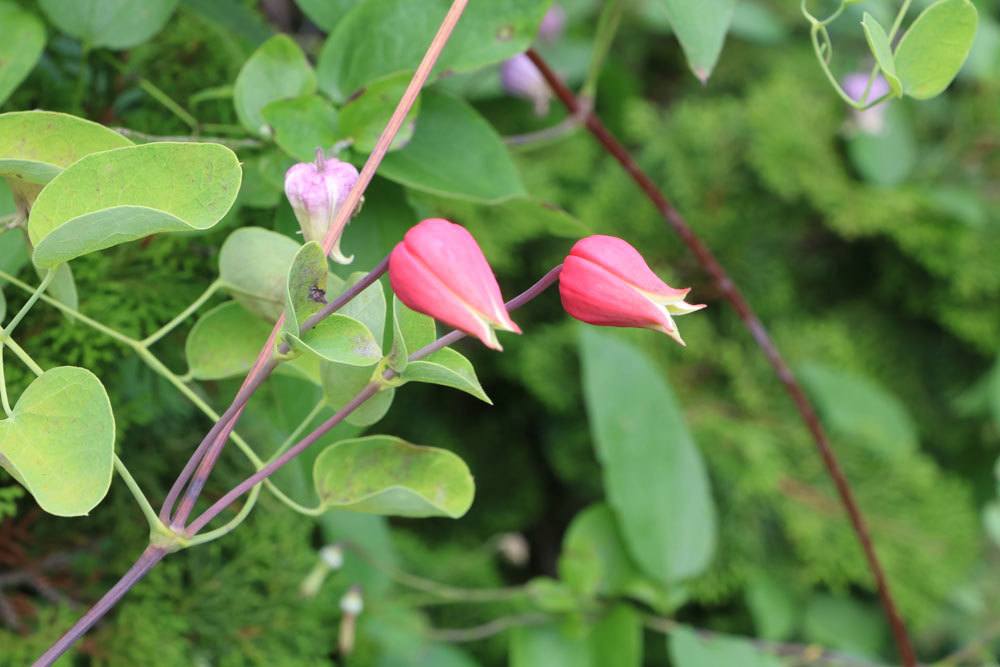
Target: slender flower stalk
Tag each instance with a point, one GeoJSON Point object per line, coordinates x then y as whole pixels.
{"type": "Point", "coordinates": [731, 292]}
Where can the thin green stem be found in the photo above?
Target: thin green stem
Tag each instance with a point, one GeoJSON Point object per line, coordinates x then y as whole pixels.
{"type": "Point", "coordinates": [898, 23]}
{"type": "Point", "coordinates": [294, 435]}
{"type": "Point", "coordinates": [22, 355]}
{"type": "Point", "coordinates": [3, 388]}
{"type": "Point", "coordinates": [156, 93]}
{"type": "Point", "coordinates": [233, 523]}
{"type": "Point", "coordinates": [183, 315]}
{"type": "Point", "coordinates": [607, 27]}
{"type": "Point", "coordinates": [140, 497]}
{"type": "Point", "coordinates": [32, 300]}
{"type": "Point", "coordinates": [235, 144]}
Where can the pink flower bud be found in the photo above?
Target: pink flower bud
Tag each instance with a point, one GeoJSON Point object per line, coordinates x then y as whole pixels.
{"type": "Point", "coordinates": [521, 78]}
{"type": "Point", "coordinates": [316, 190]}
{"type": "Point", "coordinates": [439, 270]}
{"type": "Point", "coordinates": [553, 24]}
{"type": "Point", "coordinates": [605, 281]}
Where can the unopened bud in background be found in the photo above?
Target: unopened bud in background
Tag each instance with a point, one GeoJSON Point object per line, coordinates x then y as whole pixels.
{"type": "Point", "coordinates": [351, 605]}
{"type": "Point", "coordinates": [514, 549]}
{"type": "Point", "coordinates": [316, 191]}
{"type": "Point", "coordinates": [331, 559]}
{"type": "Point", "coordinates": [553, 24]}
{"type": "Point", "coordinates": [521, 78]}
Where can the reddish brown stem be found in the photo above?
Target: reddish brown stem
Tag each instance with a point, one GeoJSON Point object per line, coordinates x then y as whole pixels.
{"type": "Point", "coordinates": [732, 294]}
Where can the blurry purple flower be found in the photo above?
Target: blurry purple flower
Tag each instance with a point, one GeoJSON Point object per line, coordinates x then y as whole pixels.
{"type": "Point", "coordinates": [521, 78]}
{"type": "Point", "coordinates": [870, 121]}
{"type": "Point", "coordinates": [553, 24]}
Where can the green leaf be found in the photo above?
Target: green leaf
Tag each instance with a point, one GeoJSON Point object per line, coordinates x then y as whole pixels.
{"type": "Point", "coordinates": [36, 145]}
{"type": "Point", "coordinates": [115, 24]}
{"type": "Point", "coordinates": [845, 624]}
{"type": "Point", "coordinates": [63, 287]}
{"type": "Point", "coordinates": [225, 342]}
{"type": "Point", "coordinates": [410, 332]}
{"type": "Point", "coordinates": [701, 29]}
{"type": "Point", "coordinates": [364, 117]}
{"type": "Point", "coordinates": [305, 288]}
{"type": "Point", "coordinates": [688, 649]}
{"type": "Point", "coordinates": [302, 124]}
{"type": "Point", "coordinates": [456, 153]}
{"type": "Point", "coordinates": [340, 339]}
{"type": "Point", "coordinates": [368, 307]}
{"type": "Point", "coordinates": [594, 560]}
{"type": "Point", "coordinates": [24, 40]}
{"type": "Point", "coordinates": [934, 47]}
{"type": "Point", "coordinates": [447, 368]}
{"type": "Point", "coordinates": [380, 37]}
{"type": "Point", "coordinates": [888, 157]}
{"type": "Point", "coordinates": [126, 194]}
{"type": "Point", "coordinates": [653, 473]}
{"type": "Point", "coordinates": [253, 266]}
{"type": "Point", "coordinates": [878, 42]}
{"type": "Point", "coordinates": [341, 383]}
{"type": "Point", "coordinates": [858, 410]}
{"type": "Point", "coordinates": [615, 639]}
{"type": "Point", "coordinates": [775, 611]}
{"type": "Point", "coordinates": [326, 13]}
{"type": "Point", "coordinates": [385, 475]}
{"type": "Point", "coordinates": [60, 441]}
{"type": "Point", "coordinates": [277, 70]}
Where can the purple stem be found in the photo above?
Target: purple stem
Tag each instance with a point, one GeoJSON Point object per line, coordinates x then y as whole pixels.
{"type": "Point", "coordinates": [205, 455]}
{"type": "Point", "coordinates": [367, 392]}
{"type": "Point", "coordinates": [149, 558]}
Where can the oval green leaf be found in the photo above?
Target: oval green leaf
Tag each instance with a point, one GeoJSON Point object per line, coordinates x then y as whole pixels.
{"type": "Point", "coordinates": [364, 117]}
{"type": "Point", "coordinates": [688, 649]}
{"type": "Point", "coordinates": [60, 441]}
{"type": "Point", "coordinates": [277, 70]}
{"type": "Point", "coordinates": [129, 193]}
{"type": "Point", "coordinates": [932, 51]}
{"type": "Point", "coordinates": [878, 42]}
{"type": "Point", "coordinates": [385, 475]}
{"type": "Point", "coordinates": [24, 39]}
{"type": "Point", "coordinates": [305, 287]}
{"type": "Point", "coordinates": [36, 145]}
{"type": "Point", "coordinates": [342, 382]}
{"type": "Point", "coordinates": [454, 152]}
{"type": "Point", "coordinates": [115, 24]}
{"type": "Point", "coordinates": [410, 332]}
{"type": "Point", "coordinates": [340, 339]}
{"type": "Point", "coordinates": [253, 266]}
{"type": "Point", "coordinates": [447, 368]}
{"type": "Point", "coordinates": [303, 124]}
{"type": "Point", "coordinates": [380, 37]}
{"type": "Point", "coordinates": [654, 475]}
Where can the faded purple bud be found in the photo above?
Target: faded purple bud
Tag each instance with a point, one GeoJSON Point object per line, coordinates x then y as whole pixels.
{"type": "Point", "coordinates": [316, 191]}
{"type": "Point", "coordinates": [521, 78]}
{"type": "Point", "coordinates": [869, 121]}
{"type": "Point", "coordinates": [553, 24]}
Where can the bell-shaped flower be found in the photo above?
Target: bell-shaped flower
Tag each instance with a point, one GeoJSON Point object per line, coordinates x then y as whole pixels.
{"type": "Point", "coordinates": [521, 78]}
{"type": "Point", "coordinates": [439, 270]}
{"type": "Point", "coordinates": [605, 281]}
{"type": "Point", "coordinates": [316, 191]}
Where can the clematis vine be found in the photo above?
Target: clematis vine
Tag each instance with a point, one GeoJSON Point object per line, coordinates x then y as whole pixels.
{"type": "Point", "coordinates": [605, 281]}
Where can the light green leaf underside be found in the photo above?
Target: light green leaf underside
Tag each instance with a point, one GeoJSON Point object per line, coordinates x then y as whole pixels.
{"type": "Point", "coordinates": [253, 265]}
{"type": "Point", "coordinates": [36, 145]}
{"type": "Point", "coordinates": [410, 332]}
{"type": "Point", "coordinates": [340, 339]}
{"type": "Point", "coordinates": [386, 475]}
{"type": "Point", "coordinates": [342, 382]}
{"type": "Point", "coordinates": [363, 118]}
{"type": "Point", "coordinates": [688, 649]}
{"type": "Point", "coordinates": [116, 24]}
{"type": "Point", "coordinates": [933, 49]}
{"type": "Point", "coordinates": [22, 44]}
{"type": "Point", "coordinates": [225, 342]}
{"type": "Point", "coordinates": [60, 441]}
{"type": "Point", "coordinates": [125, 194]}
{"type": "Point", "coordinates": [303, 124]}
{"type": "Point", "coordinates": [307, 278]}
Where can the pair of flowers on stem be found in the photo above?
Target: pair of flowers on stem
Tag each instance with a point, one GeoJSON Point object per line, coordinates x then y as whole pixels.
{"type": "Point", "coordinates": [439, 270]}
